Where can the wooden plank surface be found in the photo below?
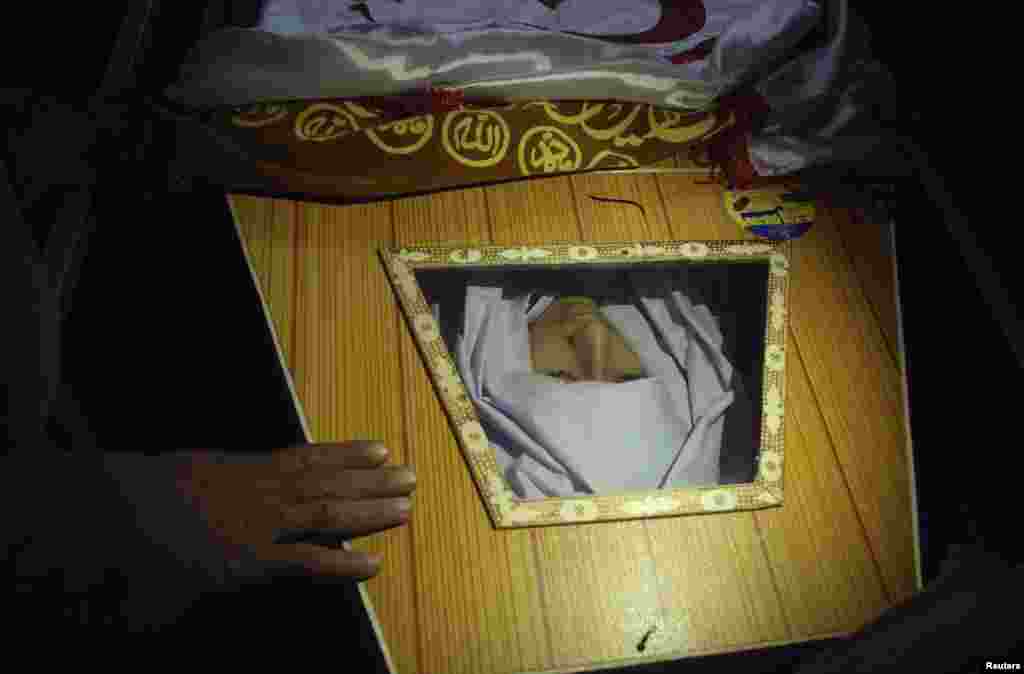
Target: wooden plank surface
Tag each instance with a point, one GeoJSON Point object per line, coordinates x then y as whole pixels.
{"type": "Point", "coordinates": [347, 377]}
{"type": "Point", "coordinates": [713, 579]}
{"type": "Point", "coordinates": [478, 595]}
{"type": "Point", "coordinates": [598, 581]}
{"type": "Point", "coordinates": [803, 568]}
{"type": "Point", "coordinates": [856, 383]}
{"type": "Point", "coordinates": [869, 244]}
{"type": "Point", "coordinates": [455, 594]}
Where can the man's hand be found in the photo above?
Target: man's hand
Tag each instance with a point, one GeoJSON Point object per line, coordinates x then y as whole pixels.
{"type": "Point", "coordinates": [140, 538]}
{"type": "Point", "coordinates": [275, 513]}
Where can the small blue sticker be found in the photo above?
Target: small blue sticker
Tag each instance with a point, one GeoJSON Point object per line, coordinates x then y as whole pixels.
{"type": "Point", "coordinates": [780, 231]}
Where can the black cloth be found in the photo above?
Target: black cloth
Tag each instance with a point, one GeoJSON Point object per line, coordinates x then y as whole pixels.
{"type": "Point", "coordinates": [156, 357]}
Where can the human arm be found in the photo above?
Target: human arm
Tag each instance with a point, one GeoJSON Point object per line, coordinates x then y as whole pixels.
{"type": "Point", "coordinates": [148, 536]}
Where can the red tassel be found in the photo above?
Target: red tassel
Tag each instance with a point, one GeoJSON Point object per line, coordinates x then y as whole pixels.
{"type": "Point", "coordinates": [730, 150]}
{"type": "Point", "coordinates": [446, 100]}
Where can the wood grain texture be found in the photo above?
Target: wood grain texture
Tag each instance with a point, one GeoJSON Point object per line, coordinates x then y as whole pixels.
{"type": "Point", "coordinates": [477, 589]}
{"type": "Point", "coordinates": [713, 569]}
{"type": "Point", "coordinates": [613, 221]}
{"type": "Point", "coordinates": [348, 379]}
{"type": "Point", "coordinates": [598, 589]}
{"type": "Point", "coordinates": [714, 585]}
{"type": "Point", "coordinates": [824, 569]}
{"type": "Point", "coordinates": [598, 581]}
{"type": "Point", "coordinates": [695, 209]}
{"type": "Point", "coordinates": [869, 244]}
{"type": "Point", "coordinates": [457, 595]}
{"type": "Point", "coordinates": [533, 211]}
{"type": "Point", "coordinates": [793, 536]}
{"type": "Point", "coordinates": [857, 388]}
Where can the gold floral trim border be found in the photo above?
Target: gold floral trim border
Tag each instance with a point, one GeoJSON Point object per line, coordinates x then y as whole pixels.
{"type": "Point", "coordinates": [506, 510]}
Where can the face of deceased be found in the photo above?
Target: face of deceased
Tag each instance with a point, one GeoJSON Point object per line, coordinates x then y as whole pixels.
{"type": "Point", "coordinates": [573, 342]}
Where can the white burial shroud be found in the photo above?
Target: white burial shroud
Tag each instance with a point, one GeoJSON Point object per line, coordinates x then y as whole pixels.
{"type": "Point", "coordinates": [555, 439]}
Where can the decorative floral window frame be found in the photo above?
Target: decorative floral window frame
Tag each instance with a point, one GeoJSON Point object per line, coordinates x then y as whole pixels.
{"type": "Point", "coordinates": [505, 508]}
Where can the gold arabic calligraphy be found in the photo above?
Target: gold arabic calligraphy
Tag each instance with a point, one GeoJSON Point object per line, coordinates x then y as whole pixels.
{"type": "Point", "coordinates": [323, 122]}
{"type": "Point", "coordinates": [673, 127]}
{"type": "Point", "coordinates": [612, 160]}
{"type": "Point", "coordinates": [475, 138]}
{"type": "Point", "coordinates": [548, 149]}
{"type": "Point", "coordinates": [419, 129]}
